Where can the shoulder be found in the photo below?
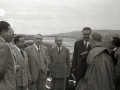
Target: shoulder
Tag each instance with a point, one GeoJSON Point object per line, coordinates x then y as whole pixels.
{"type": "Point", "coordinates": [4, 47]}
{"type": "Point", "coordinates": [44, 47]}
{"type": "Point", "coordinates": [53, 47]}
{"type": "Point", "coordinates": [29, 47]}
{"type": "Point", "coordinates": [117, 52]}
{"type": "Point", "coordinates": [80, 41]}
{"type": "Point", "coordinates": [65, 48]}
{"type": "Point", "coordinates": [12, 45]}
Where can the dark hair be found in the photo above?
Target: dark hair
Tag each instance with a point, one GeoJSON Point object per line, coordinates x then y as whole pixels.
{"type": "Point", "coordinates": [87, 28]}
{"type": "Point", "coordinates": [57, 37]}
{"type": "Point", "coordinates": [116, 41]}
{"type": "Point", "coordinates": [16, 39]}
{"type": "Point", "coordinates": [39, 34]}
{"type": "Point", "coordinates": [4, 26]}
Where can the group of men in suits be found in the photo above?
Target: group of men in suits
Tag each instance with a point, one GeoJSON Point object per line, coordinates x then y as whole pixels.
{"type": "Point", "coordinates": [31, 64]}
{"type": "Point", "coordinates": [26, 68]}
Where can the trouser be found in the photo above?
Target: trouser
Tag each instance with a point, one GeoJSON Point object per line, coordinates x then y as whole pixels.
{"type": "Point", "coordinates": [58, 83]}
{"type": "Point", "coordinates": [22, 87]}
{"type": "Point", "coordinates": [40, 83]}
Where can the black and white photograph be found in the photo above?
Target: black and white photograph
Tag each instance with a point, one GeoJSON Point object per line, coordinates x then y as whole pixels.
{"type": "Point", "coordinates": [59, 45]}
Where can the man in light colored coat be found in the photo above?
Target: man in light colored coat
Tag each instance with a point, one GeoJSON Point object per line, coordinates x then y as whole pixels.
{"type": "Point", "coordinates": [59, 65]}
{"type": "Point", "coordinates": [7, 72]}
{"type": "Point", "coordinates": [22, 74]}
{"type": "Point", "coordinates": [38, 63]}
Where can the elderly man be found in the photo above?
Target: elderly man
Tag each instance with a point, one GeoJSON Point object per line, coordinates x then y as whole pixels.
{"type": "Point", "coordinates": [80, 47]}
{"type": "Point", "coordinates": [59, 65]}
{"type": "Point", "coordinates": [7, 72]}
{"type": "Point", "coordinates": [99, 73]}
{"type": "Point", "coordinates": [38, 63]}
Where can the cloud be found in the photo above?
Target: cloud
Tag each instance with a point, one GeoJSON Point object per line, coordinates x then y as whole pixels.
{"type": "Point", "coordinates": [61, 15]}
{"type": "Point", "coordinates": [2, 13]}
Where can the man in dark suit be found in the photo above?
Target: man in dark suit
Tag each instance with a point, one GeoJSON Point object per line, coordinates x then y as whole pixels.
{"type": "Point", "coordinates": [22, 74]}
{"type": "Point", "coordinates": [7, 70]}
{"type": "Point", "coordinates": [79, 47]}
{"type": "Point", "coordinates": [59, 65]}
{"type": "Point", "coordinates": [38, 63]}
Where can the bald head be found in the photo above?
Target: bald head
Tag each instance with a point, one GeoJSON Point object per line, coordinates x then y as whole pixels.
{"type": "Point", "coordinates": [97, 37]}
{"type": "Point", "coordinates": [38, 39]}
{"type": "Point", "coordinates": [58, 41]}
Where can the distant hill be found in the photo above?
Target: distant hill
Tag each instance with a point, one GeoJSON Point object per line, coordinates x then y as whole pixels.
{"type": "Point", "coordinates": [79, 33]}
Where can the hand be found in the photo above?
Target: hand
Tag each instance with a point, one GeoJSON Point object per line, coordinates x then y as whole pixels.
{"type": "Point", "coordinates": [17, 67]}
{"type": "Point", "coordinates": [30, 80]}
{"type": "Point", "coordinates": [68, 75]}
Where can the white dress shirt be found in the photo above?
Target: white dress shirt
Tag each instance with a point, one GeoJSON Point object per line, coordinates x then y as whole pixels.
{"type": "Point", "coordinates": [87, 43]}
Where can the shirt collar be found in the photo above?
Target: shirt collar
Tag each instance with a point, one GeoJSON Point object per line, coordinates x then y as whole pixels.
{"type": "Point", "coordinates": [59, 47]}
{"type": "Point", "coordinates": [18, 48]}
{"type": "Point", "coordinates": [114, 49]}
{"type": "Point", "coordinates": [36, 46]}
{"type": "Point", "coordinates": [85, 42]}
{"type": "Point", "coordinates": [2, 39]}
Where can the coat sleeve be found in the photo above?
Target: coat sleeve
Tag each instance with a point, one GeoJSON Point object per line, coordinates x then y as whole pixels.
{"type": "Point", "coordinates": [28, 54]}
{"type": "Point", "coordinates": [47, 57]}
{"type": "Point", "coordinates": [29, 76]}
{"type": "Point", "coordinates": [117, 70]}
{"type": "Point", "coordinates": [68, 62]}
{"type": "Point", "coordinates": [50, 61]}
{"type": "Point", "coordinates": [74, 58]}
{"type": "Point", "coordinates": [4, 57]}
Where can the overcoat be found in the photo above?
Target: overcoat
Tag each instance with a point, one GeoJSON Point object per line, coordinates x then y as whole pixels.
{"type": "Point", "coordinates": [99, 73]}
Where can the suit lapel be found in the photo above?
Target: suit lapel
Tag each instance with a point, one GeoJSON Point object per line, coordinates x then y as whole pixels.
{"type": "Point", "coordinates": [43, 51]}
{"type": "Point", "coordinates": [56, 51]}
{"type": "Point", "coordinates": [62, 51]}
{"type": "Point", "coordinates": [18, 54]}
{"type": "Point", "coordinates": [34, 51]}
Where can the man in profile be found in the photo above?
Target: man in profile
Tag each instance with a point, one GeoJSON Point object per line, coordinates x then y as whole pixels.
{"type": "Point", "coordinates": [7, 72]}
{"type": "Point", "coordinates": [59, 65]}
{"type": "Point", "coordinates": [80, 47]}
{"type": "Point", "coordinates": [22, 74]}
{"type": "Point", "coordinates": [99, 73]}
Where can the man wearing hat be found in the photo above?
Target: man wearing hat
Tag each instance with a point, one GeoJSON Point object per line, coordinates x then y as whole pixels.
{"type": "Point", "coordinates": [99, 73]}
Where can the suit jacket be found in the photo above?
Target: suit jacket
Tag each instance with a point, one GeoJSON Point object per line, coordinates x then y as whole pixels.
{"type": "Point", "coordinates": [59, 63]}
{"type": "Point", "coordinates": [79, 47]}
{"type": "Point", "coordinates": [33, 60]}
{"type": "Point", "coordinates": [23, 74]}
{"type": "Point", "coordinates": [81, 68]}
{"type": "Point", "coordinates": [7, 74]}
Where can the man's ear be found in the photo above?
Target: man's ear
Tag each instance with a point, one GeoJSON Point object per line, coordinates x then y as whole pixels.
{"type": "Point", "coordinates": [3, 32]}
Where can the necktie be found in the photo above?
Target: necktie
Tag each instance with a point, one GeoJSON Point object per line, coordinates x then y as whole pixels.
{"type": "Point", "coordinates": [86, 45]}
{"type": "Point", "coordinates": [22, 53]}
{"type": "Point", "coordinates": [59, 50]}
{"type": "Point", "coordinates": [38, 48]}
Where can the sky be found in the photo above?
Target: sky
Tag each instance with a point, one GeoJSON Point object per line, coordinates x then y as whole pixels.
{"type": "Point", "coordinates": [60, 16]}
